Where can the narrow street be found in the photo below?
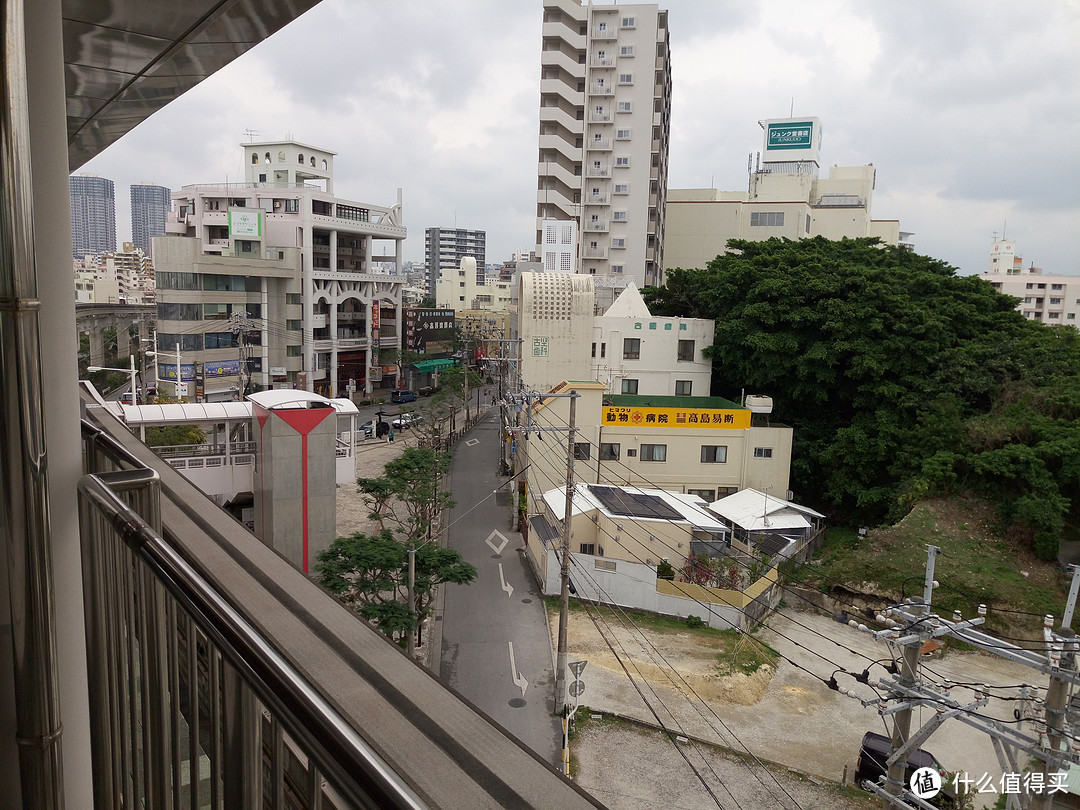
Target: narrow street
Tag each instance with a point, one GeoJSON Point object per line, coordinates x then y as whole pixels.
{"type": "Point", "coordinates": [495, 641]}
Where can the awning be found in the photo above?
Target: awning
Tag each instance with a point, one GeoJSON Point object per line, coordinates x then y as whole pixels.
{"type": "Point", "coordinates": [428, 366]}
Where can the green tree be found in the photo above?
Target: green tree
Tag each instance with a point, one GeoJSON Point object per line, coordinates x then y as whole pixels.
{"type": "Point", "coordinates": [369, 573]}
{"type": "Point", "coordinates": [897, 376]}
{"type": "Point", "coordinates": [408, 497]}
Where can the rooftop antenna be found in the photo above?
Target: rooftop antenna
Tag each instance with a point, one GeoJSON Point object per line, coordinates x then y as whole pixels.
{"type": "Point", "coordinates": [251, 133]}
{"type": "Point", "coordinates": [1003, 224]}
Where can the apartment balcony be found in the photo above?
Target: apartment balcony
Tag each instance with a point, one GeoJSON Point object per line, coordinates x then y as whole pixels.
{"type": "Point", "coordinates": [604, 89]}
{"type": "Point", "coordinates": [221, 676]}
{"type": "Point", "coordinates": [599, 226]}
{"type": "Point", "coordinates": [600, 144]}
{"type": "Point", "coordinates": [599, 118]}
{"type": "Point", "coordinates": [603, 61]}
{"type": "Point", "coordinates": [320, 321]}
{"type": "Point", "coordinates": [606, 34]}
{"type": "Point", "coordinates": [596, 253]}
{"type": "Point", "coordinates": [598, 171]}
{"type": "Point", "coordinates": [597, 199]}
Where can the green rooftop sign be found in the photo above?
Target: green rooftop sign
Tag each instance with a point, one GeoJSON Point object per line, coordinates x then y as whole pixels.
{"type": "Point", "coordinates": [791, 135]}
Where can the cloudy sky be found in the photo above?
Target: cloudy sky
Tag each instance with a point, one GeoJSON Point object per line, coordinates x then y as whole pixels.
{"type": "Point", "coordinates": [969, 109]}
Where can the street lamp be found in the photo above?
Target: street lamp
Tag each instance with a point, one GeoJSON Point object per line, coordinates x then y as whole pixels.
{"type": "Point", "coordinates": [134, 387]}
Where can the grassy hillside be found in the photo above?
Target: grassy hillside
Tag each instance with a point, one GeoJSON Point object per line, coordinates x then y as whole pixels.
{"type": "Point", "coordinates": [978, 563]}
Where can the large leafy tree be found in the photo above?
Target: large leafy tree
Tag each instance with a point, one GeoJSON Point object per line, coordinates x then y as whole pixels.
{"type": "Point", "coordinates": [900, 378]}
{"type": "Point", "coordinates": [369, 573]}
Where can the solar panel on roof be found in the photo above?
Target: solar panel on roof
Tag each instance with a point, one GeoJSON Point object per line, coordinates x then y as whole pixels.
{"type": "Point", "coordinates": [634, 504]}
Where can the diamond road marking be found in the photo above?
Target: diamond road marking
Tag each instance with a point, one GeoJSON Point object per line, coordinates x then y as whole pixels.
{"type": "Point", "coordinates": [499, 548]}
{"type": "Point", "coordinates": [472, 442]}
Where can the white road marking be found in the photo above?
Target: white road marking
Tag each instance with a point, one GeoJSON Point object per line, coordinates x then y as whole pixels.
{"type": "Point", "coordinates": [506, 586]}
{"type": "Point", "coordinates": [472, 442]}
{"type": "Point", "coordinates": [519, 680]}
{"type": "Point", "coordinates": [497, 549]}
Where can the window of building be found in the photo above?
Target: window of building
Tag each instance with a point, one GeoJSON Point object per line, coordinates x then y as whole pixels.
{"type": "Point", "coordinates": [581, 451]}
{"type": "Point", "coordinates": [603, 349]}
{"type": "Point", "coordinates": [627, 22]}
{"type": "Point", "coordinates": [1054, 315]}
{"type": "Point", "coordinates": [294, 351]}
{"type": "Point", "coordinates": [609, 451]}
{"type": "Point", "coordinates": [1057, 286]}
{"type": "Point", "coordinates": [594, 350]}
{"type": "Point", "coordinates": [1029, 286]}
{"type": "Point", "coordinates": [616, 268]}
{"type": "Point", "coordinates": [293, 298]}
{"type": "Point", "coordinates": [294, 326]}
{"type": "Point", "coordinates": [767, 219]}
{"type": "Point", "coordinates": [187, 342]}
{"type": "Point", "coordinates": [622, 188]}
{"type": "Point", "coordinates": [213, 312]}
{"type": "Point", "coordinates": [622, 134]}
{"type": "Point", "coordinates": [707, 495]}
{"type": "Point", "coordinates": [631, 348]}
{"type": "Point", "coordinates": [588, 548]}
{"type": "Point", "coordinates": [1055, 300]}
{"type": "Point", "coordinates": [629, 386]}
{"type": "Point", "coordinates": [683, 388]}
{"type": "Point", "coordinates": [1071, 316]}
{"type": "Point", "coordinates": [713, 453]}
{"type": "Point", "coordinates": [220, 340]}
{"type": "Point", "coordinates": [762, 452]}
{"type": "Point", "coordinates": [625, 107]}
{"type": "Point", "coordinates": [686, 350]}
{"type": "Point", "coordinates": [622, 162]}
{"type": "Point", "coordinates": [618, 242]}
{"type": "Point", "coordinates": [626, 78]}
{"type": "Point", "coordinates": [177, 281]}
{"type": "Point", "coordinates": [654, 452]}
{"type": "Point", "coordinates": [179, 312]}
{"type": "Point", "coordinates": [626, 50]}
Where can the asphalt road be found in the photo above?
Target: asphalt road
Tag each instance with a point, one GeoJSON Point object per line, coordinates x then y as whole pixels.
{"type": "Point", "coordinates": [495, 639]}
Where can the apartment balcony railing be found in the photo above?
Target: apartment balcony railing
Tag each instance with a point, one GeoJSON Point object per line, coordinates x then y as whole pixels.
{"type": "Point", "coordinates": [603, 61]}
{"type": "Point", "coordinates": [596, 226]}
{"type": "Point", "coordinates": [220, 676]}
{"type": "Point", "coordinates": [599, 118]}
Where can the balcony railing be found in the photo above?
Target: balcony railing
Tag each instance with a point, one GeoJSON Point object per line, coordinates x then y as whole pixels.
{"type": "Point", "coordinates": [220, 676]}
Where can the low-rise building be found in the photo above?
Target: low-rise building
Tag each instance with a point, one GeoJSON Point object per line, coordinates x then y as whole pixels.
{"type": "Point", "coordinates": [785, 198]}
{"type": "Point", "coordinates": [1050, 299]}
{"type": "Point", "coordinates": [275, 281]}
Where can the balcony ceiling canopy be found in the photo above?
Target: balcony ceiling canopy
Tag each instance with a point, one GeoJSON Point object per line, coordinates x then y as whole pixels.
{"type": "Point", "coordinates": [126, 59]}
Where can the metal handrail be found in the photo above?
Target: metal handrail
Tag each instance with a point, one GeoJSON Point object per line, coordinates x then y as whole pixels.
{"type": "Point", "coordinates": [355, 770]}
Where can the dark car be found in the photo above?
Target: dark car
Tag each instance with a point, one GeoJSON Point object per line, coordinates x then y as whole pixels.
{"type": "Point", "coordinates": [402, 396]}
{"type": "Point", "coordinates": [871, 766]}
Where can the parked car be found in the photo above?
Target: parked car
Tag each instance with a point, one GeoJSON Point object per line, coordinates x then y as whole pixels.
{"type": "Point", "coordinates": [871, 766]}
{"type": "Point", "coordinates": [399, 396]}
{"type": "Point", "coordinates": [406, 420]}
{"type": "Point", "coordinates": [127, 398]}
{"type": "Point", "coordinates": [368, 429]}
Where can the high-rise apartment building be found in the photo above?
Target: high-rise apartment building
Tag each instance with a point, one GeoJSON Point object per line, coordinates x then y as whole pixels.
{"type": "Point", "coordinates": [149, 206]}
{"type": "Point", "coordinates": [1051, 299]}
{"type": "Point", "coordinates": [446, 247]}
{"type": "Point", "coordinates": [93, 215]}
{"type": "Point", "coordinates": [605, 118]}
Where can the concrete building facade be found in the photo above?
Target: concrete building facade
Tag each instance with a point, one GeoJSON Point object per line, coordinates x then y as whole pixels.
{"type": "Point", "coordinates": [150, 205]}
{"type": "Point", "coordinates": [123, 277]}
{"type": "Point", "coordinates": [605, 118]}
{"type": "Point", "coordinates": [274, 278]}
{"type": "Point", "coordinates": [1049, 299]}
{"type": "Point", "coordinates": [785, 198]}
{"type": "Point", "coordinates": [445, 248]}
{"type": "Point", "coordinates": [93, 215]}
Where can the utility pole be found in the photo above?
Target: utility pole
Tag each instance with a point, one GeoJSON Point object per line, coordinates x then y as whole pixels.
{"type": "Point", "coordinates": [410, 645]}
{"type": "Point", "coordinates": [564, 592]}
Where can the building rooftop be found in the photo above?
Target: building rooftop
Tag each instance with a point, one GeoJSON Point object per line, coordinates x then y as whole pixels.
{"type": "Point", "coordinates": [651, 401]}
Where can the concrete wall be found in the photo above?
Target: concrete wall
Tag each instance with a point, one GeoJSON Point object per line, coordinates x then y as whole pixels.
{"type": "Point", "coordinates": [657, 368]}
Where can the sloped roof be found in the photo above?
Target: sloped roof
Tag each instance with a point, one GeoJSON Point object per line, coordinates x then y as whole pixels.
{"type": "Point", "coordinates": [685, 508]}
{"type": "Point", "coordinates": [629, 304]}
{"type": "Point", "coordinates": [758, 511]}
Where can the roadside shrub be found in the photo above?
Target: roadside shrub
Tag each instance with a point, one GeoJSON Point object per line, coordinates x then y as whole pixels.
{"type": "Point", "coordinates": [694, 622]}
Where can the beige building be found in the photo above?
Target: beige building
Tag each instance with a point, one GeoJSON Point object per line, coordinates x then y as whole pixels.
{"type": "Point", "coordinates": [123, 277]}
{"type": "Point", "coordinates": [605, 118]}
{"type": "Point", "coordinates": [464, 289]}
{"type": "Point", "coordinates": [702, 446]}
{"type": "Point", "coordinates": [1047, 298]}
{"type": "Point", "coordinates": [785, 198]}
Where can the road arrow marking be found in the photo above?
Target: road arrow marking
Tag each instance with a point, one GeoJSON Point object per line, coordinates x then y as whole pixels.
{"type": "Point", "coordinates": [497, 549]}
{"type": "Point", "coordinates": [506, 586]}
{"type": "Point", "coordinates": [519, 680]}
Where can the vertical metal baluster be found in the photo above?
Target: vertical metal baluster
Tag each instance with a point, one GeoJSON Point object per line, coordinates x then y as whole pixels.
{"type": "Point", "coordinates": [134, 688]}
{"type": "Point", "coordinates": [253, 745]}
{"type": "Point", "coordinates": [193, 709]}
{"type": "Point", "coordinates": [158, 751]}
{"type": "Point", "coordinates": [174, 699]}
{"type": "Point", "coordinates": [214, 658]}
{"type": "Point", "coordinates": [314, 796]}
{"type": "Point", "coordinates": [277, 764]}
{"type": "Point", "coordinates": [117, 679]}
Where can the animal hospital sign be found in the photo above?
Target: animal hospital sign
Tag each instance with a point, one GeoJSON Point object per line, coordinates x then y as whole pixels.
{"type": "Point", "coordinates": [632, 416]}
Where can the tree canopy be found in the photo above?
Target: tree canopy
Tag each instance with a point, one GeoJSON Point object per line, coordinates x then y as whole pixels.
{"type": "Point", "coordinates": [900, 378]}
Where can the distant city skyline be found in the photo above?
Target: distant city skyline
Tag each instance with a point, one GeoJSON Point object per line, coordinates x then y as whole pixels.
{"type": "Point", "coordinates": [93, 215]}
{"type": "Point", "coordinates": [969, 112]}
{"type": "Point", "coordinates": [150, 205]}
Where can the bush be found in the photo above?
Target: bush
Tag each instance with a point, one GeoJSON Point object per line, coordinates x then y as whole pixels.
{"type": "Point", "coordinates": [694, 622]}
{"type": "Point", "coordinates": [665, 570]}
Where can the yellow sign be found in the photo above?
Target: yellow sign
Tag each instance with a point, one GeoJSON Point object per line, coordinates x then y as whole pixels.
{"type": "Point", "coordinates": [632, 416]}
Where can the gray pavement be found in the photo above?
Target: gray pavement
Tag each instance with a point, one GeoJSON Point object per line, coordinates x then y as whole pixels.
{"type": "Point", "coordinates": [499, 619]}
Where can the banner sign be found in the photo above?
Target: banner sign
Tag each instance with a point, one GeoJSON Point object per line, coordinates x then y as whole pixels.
{"type": "Point", "coordinates": [245, 223]}
{"type": "Point", "coordinates": [168, 372]}
{"type": "Point", "coordinates": [633, 416]}
{"type": "Point", "coordinates": [798, 135]}
{"type": "Point", "coordinates": [221, 368]}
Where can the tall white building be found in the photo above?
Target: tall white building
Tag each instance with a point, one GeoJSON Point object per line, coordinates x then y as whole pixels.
{"type": "Point", "coordinates": [1050, 299]}
{"type": "Point", "coordinates": [277, 278]}
{"type": "Point", "coordinates": [785, 198]}
{"type": "Point", "coordinates": [605, 117]}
